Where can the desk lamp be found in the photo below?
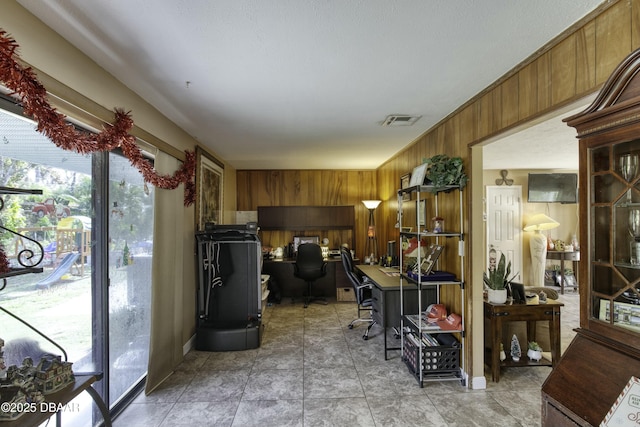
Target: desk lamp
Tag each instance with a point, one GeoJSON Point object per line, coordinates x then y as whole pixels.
{"type": "Point", "coordinates": [372, 244]}
{"type": "Point", "coordinates": [538, 244]}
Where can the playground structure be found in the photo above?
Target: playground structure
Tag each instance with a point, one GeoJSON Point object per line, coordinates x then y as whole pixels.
{"type": "Point", "coordinates": [73, 234]}
{"type": "Point", "coordinates": [72, 237]}
{"type": "Point", "coordinates": [68, 261]}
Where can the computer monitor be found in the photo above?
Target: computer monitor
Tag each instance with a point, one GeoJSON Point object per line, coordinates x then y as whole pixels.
{"type": "Point", "coordinates": [298, 240]}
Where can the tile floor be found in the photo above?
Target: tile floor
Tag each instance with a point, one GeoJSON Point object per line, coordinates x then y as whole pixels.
{"type": "Point", "coordinates": [311, 370]}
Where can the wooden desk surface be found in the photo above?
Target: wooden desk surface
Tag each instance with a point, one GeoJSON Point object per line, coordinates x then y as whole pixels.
{"type": "Point", "coordinates": [564, 255]}
{"type": "Point", "coordinates": [293, 260]}
{"type": "Point", "coordinates": [522, 307]}
{"type": "Point", "coordinates": [387, 278]}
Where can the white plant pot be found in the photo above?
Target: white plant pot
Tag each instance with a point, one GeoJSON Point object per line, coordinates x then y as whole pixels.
{"type": "Point", "coordinates": [497, 296]}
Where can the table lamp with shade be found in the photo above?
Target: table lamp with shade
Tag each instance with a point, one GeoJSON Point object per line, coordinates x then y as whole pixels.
{"type": "Point", "coordinates": [538, 244]}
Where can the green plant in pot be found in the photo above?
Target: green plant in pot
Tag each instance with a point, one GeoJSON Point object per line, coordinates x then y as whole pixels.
{"type": "Point", "coordinates": [497, 280]}
{"type": "Point", "coordinates": [443, 171]}
{"type": "Point", "coordinates": [534, 351]}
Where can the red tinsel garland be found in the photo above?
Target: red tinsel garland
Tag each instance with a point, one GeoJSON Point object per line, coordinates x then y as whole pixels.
{"type": "Point", "coordinates": [4, 262]}
{"type": "Point", "coordinates": [23, 83]}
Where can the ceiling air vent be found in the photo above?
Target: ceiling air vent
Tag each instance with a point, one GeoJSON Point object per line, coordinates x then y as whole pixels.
{"type": "Point", "coordinates": [400, 120]}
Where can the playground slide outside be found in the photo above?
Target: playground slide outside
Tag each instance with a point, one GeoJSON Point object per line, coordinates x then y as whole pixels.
{"type": "Point", "coordinates": [60, 271]}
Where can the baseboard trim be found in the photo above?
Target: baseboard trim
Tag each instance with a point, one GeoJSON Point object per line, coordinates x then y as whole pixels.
{"type": "Point", "coordinates": [189, 345]}
{"type": "Point", "coordinates": [478, 383]}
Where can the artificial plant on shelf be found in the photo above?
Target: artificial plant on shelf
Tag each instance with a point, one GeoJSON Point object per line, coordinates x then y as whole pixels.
{"type": "Point", "coordinates": [534, 351]}
{"type": "Point", "coordinates": [443, 171]}
{"type": "Point", "coordinates": [498, 279]}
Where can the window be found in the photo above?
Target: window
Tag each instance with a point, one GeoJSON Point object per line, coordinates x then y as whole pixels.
{"type": "Point", "coordinates": [94, 220]}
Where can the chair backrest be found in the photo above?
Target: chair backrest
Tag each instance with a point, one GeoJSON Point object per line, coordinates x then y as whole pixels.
{"type": "Point", "coordinates": [310, 264]}
{"type": "Point", "coordinates": [356, 282]}
{"type": "Point", "coordinates": [347, 260]}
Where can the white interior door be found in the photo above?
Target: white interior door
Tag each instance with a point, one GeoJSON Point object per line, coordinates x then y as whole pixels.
{"type": "Point", "coordinates": [504, 226]}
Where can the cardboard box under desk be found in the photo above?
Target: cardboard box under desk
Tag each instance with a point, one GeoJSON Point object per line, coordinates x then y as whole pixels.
{"type": "Point", "coordinates": [346, 295]}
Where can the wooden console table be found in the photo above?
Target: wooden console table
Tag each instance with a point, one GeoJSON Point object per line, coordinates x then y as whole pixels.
{"type": "Point", "coordinates": [63, 397]}
{"type": "Point", "coordinates": [497, 314]}
{"type": "Point", "coordinates": [565, 256]}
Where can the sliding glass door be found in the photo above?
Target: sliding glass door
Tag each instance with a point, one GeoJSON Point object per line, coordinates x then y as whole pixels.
{"type": "Point", "coordinates": [94, 220]}
{"type": "Point", "coordinates": [130, 237]}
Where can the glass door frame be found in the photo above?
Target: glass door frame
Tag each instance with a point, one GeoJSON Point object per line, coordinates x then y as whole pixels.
{"type": "Point", "coordinates": [99, 270]}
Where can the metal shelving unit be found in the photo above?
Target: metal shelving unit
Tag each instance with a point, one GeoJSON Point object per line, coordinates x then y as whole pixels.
{"type": "Point", "coordinates": [431, 353]}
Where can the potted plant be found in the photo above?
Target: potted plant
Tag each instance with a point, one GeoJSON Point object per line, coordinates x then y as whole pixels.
{"type": "Point", "coordinates": [496, 281]}
{"type": "Point", "coordinates": [443, 171]}
{"type": "Point", "coordinates": [534, 352]}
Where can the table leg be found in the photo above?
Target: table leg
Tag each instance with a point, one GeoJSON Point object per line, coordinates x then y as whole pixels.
{"type": "Point", "coordinates": [384, 332]}
{"type": "Point", "coordinates": [101, 405]}
{"type": "Point", "coordinates": [496, 337]}
{"type": "Point", "coordinates": [562, 274]}
{"type": "Point", "coordinates": [554, 337]}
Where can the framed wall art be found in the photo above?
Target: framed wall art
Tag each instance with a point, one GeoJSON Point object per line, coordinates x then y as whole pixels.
{"type": "Point", "coordinates": [418, 175]}
{"type": "Point", "coordinates": [421, 207]}
{"type": "Point", "coordinates": [404, 183]}
{"type": "Point", "coordinates": [209, 188]}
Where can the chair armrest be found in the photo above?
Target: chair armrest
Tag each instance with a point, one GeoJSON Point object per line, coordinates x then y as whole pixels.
{"type": "Point", "coordinates": [363, 286]}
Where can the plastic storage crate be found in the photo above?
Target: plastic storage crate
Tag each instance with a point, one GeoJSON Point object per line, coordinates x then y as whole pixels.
{"type": "Point", "coordinates": [435, 359]}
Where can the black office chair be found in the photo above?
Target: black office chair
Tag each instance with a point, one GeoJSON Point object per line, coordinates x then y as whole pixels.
{"type": "Point", "coordinates": [310, 266]}
{"type": "Point", "coordinates": [362, 291]}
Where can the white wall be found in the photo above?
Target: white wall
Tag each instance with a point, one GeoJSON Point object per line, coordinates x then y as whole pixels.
{"type": "Point", "coordinates": [83, 81]}
{"type": "Point", "coordinates": [567, 215]}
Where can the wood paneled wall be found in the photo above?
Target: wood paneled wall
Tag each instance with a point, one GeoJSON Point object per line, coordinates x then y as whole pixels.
{"type": "Point", "coordinates": [311, 188]}
{"type": "Point", "coordinates": [570, 67]}
{"type": "Point", "coordinates": [573, 66]}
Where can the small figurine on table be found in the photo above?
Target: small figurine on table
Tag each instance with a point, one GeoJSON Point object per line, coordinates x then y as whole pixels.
{"type": "Point", "coordinates": [516, 351]}
{"type": "Point", "coordinates": [438, 224]}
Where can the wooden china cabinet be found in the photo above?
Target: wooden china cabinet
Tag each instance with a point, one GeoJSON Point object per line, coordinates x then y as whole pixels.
{"type": "Point", "coordinates": [605, 354]}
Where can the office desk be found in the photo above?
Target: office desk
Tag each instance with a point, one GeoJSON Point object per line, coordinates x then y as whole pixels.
{"type": "Point", "coordinates": [497, 314]}
{"type": "Point", "coordinates": [281, 271]}
{"type": "Point", "coordinates": [566, 256]}
{"type": "Point", "coordinates": [385, 296]}
{"type": "Point", "coordinates": [63, 397]}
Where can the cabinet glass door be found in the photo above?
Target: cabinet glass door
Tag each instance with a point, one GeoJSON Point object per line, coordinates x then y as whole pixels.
{"type": "Point", "coordinates": [615, 233]}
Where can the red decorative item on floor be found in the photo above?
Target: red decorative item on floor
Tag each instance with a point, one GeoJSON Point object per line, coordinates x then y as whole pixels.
{"type": "Point", "coordinates": [23, 83]}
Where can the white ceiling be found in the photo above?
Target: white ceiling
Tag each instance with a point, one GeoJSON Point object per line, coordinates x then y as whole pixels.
{"type": "Point", "coordinates": [302, 84]}
{"type": "Point", "coordinates": [548, 143]}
